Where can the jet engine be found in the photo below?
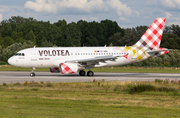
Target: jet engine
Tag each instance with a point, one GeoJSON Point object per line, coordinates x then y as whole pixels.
{"type": "Point", "coordinates": [69, 68]}
{"type": "Point", "coordinates": [54, 70]}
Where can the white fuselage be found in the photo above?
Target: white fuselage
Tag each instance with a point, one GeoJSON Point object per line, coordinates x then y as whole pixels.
{"type": "Point", "coordinates": [53, 56]}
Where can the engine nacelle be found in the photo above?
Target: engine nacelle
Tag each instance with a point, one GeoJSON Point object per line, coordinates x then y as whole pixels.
{"type": "Point", "coordinates": [54, 70]}
{"type": "Point", "coordinates": [68, 68]}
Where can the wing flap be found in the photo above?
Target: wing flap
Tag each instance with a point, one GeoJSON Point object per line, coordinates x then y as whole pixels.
{"type": "Point", "coordinates": [101, 58]}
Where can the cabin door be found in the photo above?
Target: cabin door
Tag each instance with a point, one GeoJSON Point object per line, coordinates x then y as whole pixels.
{"type": "Point", "coordinates": [34, 54]}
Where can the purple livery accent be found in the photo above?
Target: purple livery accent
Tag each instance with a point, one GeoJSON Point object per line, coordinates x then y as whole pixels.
{"type": "Point", "coordinates": [54, 53]}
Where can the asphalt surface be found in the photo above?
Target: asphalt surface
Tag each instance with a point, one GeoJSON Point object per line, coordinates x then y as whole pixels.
{"type": "Point", "coordinates": [19, 76]}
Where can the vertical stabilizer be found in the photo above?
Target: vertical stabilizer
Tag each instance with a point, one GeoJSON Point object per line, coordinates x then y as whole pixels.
{"type": "Point", "coordinates": [151, 39]}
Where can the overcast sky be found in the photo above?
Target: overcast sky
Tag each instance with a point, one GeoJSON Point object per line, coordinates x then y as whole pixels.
{"type": "Point", "coordinates": [127, 13]}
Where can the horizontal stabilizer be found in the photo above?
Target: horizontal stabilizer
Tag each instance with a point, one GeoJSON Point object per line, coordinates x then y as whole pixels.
{"type": "Point", "coordinates": [152, 52]}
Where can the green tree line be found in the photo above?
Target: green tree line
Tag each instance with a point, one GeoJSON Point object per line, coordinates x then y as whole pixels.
{"type": "Point", "coordinates": [82, 33]}
{"type": "Point", "coordinates": [17, 33]}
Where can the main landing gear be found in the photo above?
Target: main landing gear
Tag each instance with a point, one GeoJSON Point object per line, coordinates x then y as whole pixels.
{"type": "Point", "coordinates": [89, 73]}
{"type": "Point", "coordinates": [83, 73]}
{"type": "Point", "coordinates": [32, 74]}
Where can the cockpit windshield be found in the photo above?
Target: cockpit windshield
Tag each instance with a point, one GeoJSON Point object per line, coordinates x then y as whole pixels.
{"type": "Point", "coordinates": [19, 54]}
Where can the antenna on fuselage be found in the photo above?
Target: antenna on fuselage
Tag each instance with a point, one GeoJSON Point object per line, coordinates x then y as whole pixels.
{"type": "Point", "coordinates": [105, 46]}
{"type": "Point", "coordinates": [34, 46]}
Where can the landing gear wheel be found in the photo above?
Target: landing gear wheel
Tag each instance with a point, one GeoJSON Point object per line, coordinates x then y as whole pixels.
{"type": "Point", "coordinates": [90, 73]}
{"type": "Point", "coordinates": [32, 74]}
{"type": "Point", "coordinates": [82, 73]}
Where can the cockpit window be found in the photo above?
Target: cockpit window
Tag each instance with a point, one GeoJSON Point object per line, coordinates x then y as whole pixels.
{"type": "Point", "coordinates": [19, 54]}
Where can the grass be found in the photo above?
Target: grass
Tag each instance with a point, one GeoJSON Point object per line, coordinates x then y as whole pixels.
{"type": "Point", "coordinates": [105, 69]}
{"type": "Point", "coordinates": [89, 99]}
{"type": "Point", "coordinates": [13, 68]}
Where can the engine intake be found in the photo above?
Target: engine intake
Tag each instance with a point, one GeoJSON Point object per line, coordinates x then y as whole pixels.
{"type": "Point", "coordinates": [68, 68]}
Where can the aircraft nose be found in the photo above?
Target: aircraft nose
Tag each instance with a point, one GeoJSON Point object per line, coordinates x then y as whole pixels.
{"type": "Point", "coordinates": [11, 61]}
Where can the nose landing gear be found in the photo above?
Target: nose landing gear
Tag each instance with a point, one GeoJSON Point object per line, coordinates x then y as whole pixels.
{"type": "Point", "coordinates": [32, 74]}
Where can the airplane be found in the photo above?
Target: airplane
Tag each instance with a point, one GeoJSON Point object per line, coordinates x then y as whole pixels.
{"type": "Point", "coordinates": [69, 60]}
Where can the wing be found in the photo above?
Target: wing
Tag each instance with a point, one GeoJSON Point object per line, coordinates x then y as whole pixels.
{"type": "Point", "coordinates": [93, 61]}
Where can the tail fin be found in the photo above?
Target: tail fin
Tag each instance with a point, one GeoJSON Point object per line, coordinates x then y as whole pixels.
{"type": "Point", "coordinates": [151, 39]}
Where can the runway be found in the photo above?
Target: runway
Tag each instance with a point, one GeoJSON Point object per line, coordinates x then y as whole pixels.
{"type": "Point", "coordinates": [19, 76]}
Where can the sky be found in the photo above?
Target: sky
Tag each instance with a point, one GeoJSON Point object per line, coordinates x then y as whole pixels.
{"type": "Point", "coordinates": [127, 13]}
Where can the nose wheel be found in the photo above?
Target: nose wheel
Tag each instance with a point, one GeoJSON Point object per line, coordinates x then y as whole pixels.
{"type": "Point", "coordinates": [32, 74]}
